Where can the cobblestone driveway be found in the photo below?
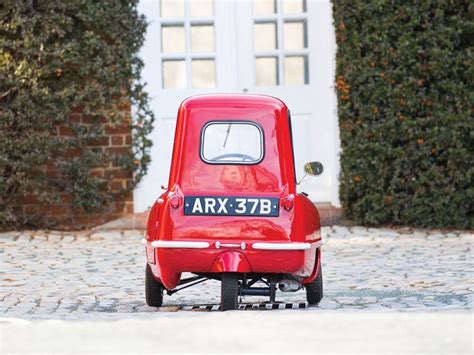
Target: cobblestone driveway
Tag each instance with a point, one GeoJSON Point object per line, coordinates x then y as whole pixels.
{"type": "Point", "coordinates": [101, 275]}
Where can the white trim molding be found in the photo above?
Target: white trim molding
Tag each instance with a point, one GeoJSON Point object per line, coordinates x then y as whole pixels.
{"type": "Point", "coordinates": [179, 244]}
{"type": "Point", "coordinates": [281, 246]}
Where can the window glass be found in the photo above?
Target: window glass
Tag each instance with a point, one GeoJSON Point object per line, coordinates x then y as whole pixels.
{"type": "Point", "coordinates": [173, 39]}
{"type": "Point", "coordinates": [232, 142]}
{"type": "Point", "coordinates": [202, 38]}
{"type": "Point", "coordinates": [172, 8]}
{"type": "Point", "coordinates": [293, 6]}
{"type": "Point", "coordinates": [266, 70]}
{"type": "Point", "coordinates": [201, 8]}
{"type": "Point", "coordinates": [296, 70]}
{"type": "Point", "coordinates": [265, 36]}
{"type": "Point", "coordinates": [174, 74]}
{"type": "Point", "coordinates": [204, 73]}
{"type": "Point", "coordinates": [294, 35]}
{"type": "Point", "coordinates": [264, 7]}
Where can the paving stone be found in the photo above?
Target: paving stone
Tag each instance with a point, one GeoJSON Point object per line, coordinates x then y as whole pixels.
{"type": "Point", "coordinates": [101, 275]}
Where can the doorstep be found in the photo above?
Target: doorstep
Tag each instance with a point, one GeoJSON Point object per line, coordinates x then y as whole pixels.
{"type": "Point", "coordinates": [329, 216]}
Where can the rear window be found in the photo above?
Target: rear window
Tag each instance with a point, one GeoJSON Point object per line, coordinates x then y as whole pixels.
{"type": "Point", "coordinates": [232, 142]}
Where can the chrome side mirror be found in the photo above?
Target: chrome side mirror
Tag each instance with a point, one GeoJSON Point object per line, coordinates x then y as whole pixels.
{"type": "Point", "coordinates": [313, 168]}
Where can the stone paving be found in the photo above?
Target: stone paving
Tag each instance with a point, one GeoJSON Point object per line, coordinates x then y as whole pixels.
{"type": "Point", "coordinates": [101, 275]}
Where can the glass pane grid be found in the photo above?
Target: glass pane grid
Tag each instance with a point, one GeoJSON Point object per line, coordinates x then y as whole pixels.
{"type": "Point", "coordinates": [281, 53]}
{"type": "Point", "coordinates": [187, 44]}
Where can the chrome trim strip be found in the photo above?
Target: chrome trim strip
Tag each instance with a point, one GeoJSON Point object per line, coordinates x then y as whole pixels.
{"type": "Point", "coordinates": [144, 242]}
{"type": "Point", "coordinates": [231, 245]}
{"type": "Point", "coordinates": [281, 246]}
{"type": "Point", "coordinates": [179, 244]}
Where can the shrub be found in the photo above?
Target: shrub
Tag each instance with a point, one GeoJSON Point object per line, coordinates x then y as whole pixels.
{"type": "Point", "coordinates": [405, 93]}
{"type": "Point", "coordinates": [69, 71]}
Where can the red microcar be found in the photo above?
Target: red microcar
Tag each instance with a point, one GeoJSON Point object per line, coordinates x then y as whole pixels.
{"type": "Point", "coordinates": [231, 211]}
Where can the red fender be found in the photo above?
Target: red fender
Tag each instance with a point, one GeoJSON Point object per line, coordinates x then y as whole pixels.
{"type": "Point", "coordinates": [231, 261]}
{"type": "Point", "coordinates": [317, 266]}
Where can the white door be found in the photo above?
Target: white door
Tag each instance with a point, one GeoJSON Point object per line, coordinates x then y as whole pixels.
{"type": "Point", "coordinates": [283, 48]}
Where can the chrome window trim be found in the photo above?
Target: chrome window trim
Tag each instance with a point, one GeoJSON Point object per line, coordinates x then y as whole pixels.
{"type": "Point", "coordinates": [231, 162]}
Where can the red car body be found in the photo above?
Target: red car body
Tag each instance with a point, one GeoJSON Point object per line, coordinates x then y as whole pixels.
{"type": "Point", "coordinates": [204, 244]}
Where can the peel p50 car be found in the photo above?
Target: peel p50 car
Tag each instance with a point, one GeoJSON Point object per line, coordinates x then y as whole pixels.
{"type": "Point", "coordinates": [231, 211]}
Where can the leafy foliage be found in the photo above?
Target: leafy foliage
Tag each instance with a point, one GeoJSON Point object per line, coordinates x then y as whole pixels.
{"type": "Point", "coordinates": [405, 93]}
{"type": "Point", "coordinates": [68, 67]}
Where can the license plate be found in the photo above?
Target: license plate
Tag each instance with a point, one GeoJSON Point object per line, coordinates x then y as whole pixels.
{"type": "Point", "coordinates": [231, 206]}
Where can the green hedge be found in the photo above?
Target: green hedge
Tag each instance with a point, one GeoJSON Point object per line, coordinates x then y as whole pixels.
{"type": "Point", "coordinates": [405, 99]}
{"type": "Point", "coordinates": [56, 56]}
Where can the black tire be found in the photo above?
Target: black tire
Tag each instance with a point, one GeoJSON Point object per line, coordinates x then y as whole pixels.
{"type": "Point", "coordinates": [153, 289]}
{"type": "Point", "coordinates": [314, 290]}
{"type": "Point", "coordinates": [229, 291]}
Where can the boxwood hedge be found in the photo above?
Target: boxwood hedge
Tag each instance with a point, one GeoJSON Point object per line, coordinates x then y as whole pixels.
{"type": "Point", "coordinates": [55, 57]}
{"type": "Point", "coordinates": [405, 98]}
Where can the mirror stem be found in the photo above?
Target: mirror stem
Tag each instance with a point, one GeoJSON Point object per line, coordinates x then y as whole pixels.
{"type": "Point", "coordinates": [299, 182]}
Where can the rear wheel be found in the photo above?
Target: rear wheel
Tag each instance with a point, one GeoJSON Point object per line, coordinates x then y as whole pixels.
{"type": "Point", "coordinates": [314, 290]}
{"type": "Point", "coordinates": [153, 289]}
{"type": "Point", "coordinates": [229, 291]}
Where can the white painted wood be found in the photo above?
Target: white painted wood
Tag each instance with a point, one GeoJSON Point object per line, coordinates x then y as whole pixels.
{"type": "Point", "coordinates": [313, 106]}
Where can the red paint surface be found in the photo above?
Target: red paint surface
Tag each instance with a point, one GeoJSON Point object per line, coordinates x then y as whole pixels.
{"type": "Point", "coordinates": [272, 177]}
{"type": "Point", "coordinates": [231, 261]}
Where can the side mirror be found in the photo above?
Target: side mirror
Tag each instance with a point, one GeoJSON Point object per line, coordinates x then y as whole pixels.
{"type": "Point", "coordinates": [313, 168]}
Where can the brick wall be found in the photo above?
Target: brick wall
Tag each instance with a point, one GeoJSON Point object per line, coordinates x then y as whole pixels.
{"type": "Point", "coordinates": [116, 141]}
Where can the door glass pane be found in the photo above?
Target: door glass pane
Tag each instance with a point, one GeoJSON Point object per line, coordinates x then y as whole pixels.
{"type": "Point", "coordinates": [294, 6]}
{"type": "Point", "coordinates": [263, 7]}
{"type": "Point", "coordinates": [296, 70]}
{"type": "Point", "coordinates": [201, 8]}
{"type": "Point", "coordinates": [294, 35]}
{"type": "Point", "coordinates": [202, 38]}
{"type": "Point", "coordinates": [172, 8]}
{"type": "Point", "coordinates": [265, 36]}
{"type": "Point", "coordinates": [266, 71]}
{"type": "Point", "coordinates": [172, 39]}
{"type": "Point", "coordinates": [174, 74]}
{"type": "Point", "coordinates": [204, 73]}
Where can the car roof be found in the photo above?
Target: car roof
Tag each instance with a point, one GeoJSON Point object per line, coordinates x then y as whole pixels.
{"type": "Point", "coordinates": [229, 100]}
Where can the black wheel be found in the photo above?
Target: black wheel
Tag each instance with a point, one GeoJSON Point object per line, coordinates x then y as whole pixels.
{"type": "Point", "coordinates": [314, 290]}
{"type": "Point", "coordinates": [153, 289]}
{"type": "Point", "coordinates": [229, 291]}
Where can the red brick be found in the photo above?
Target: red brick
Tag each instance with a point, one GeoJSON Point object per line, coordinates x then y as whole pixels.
{"type": "Point", "coordinates": [117, 173]}
{"type": "Point", "coordinates": [51, 172]}
{"type": "Point", "coordinates": [27, 200]}
{"type": "Point", "coordinates": [81, 221]}
{"type": "Point", "coordinates": [128, 139]}
{"type": "Point", "coordinates": [30, 209]}
{"type": "Point", "coordinates": [120, 207]}
{"type": "Point", "coordinates": [124, 105]}
{"type": "Point", "coordinates": [129, 207]}
{"type": "Point", "coordinates": [118, 151]}
{"type": "Point", "coordinates": [72, 153]}
{"type": "Point", "coordinates": [99, 172]}
{"type": "Point", "coordinates": [75, 117]}
{"type": "Point", "coordinates": [66, 131]}
{"type": "Point", "coordinates": [117, 185]}
{"type": "Point", "coordinates": [58, 210]}
{"type": "Point", "coordinates": [100, 142]}
{"type": "Point", "coordinates": [117, 140]}
{"type": "Point", "coordinates": [66, 198]}
{"type": "Point", "coordinates": [77, 109]}
{"type": "Point", "coordinates": [121, 129]}
{"type": "Point", "coordinates": [89, 119]}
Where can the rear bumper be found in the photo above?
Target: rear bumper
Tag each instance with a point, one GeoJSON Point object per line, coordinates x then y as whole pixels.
{"type": "Point", "coordinates": [170, 258]}
{"type": "Point", "coordinates": [165, 244]}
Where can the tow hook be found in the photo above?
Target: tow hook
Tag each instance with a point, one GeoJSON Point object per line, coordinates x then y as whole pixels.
{"type": "Point", "coordinates": [289, 285]}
